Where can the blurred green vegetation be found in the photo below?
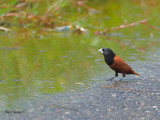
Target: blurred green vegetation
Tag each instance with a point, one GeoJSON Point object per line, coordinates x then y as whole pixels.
{"type": "Point", "coordinates": [35, 58]}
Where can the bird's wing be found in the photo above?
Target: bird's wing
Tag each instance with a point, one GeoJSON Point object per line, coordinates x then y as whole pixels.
{"type": "Point", "coordinates": [119, 62]}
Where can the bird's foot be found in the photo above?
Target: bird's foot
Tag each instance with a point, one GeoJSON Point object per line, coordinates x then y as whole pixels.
{"type": "Point", "coordinates": [110, 79]}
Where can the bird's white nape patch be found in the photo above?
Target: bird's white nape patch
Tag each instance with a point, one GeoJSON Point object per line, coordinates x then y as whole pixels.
{"type": "Point", "coordinates": [100, 50]}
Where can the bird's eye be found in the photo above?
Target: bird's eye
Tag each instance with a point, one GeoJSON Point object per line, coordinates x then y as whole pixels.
{"type": "Point", "coordinates": [102, 49]}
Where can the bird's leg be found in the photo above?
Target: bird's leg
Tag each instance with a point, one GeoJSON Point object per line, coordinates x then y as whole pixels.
{"type": "Point", "coordinates": [124, 75]}
{"type": "Point", "coordinates": [116, 74]}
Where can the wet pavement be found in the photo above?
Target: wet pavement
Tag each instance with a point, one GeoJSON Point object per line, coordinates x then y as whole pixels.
{"type": "Point", "coordinates": [130, 98]}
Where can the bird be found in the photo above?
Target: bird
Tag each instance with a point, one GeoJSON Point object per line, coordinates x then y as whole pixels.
{"type": "Point", "coordinates": [116, 63]}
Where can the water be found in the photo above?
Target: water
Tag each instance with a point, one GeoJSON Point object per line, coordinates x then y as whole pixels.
{"type": "Point", "coordinates": [48, 63]}
{"type": "Point", "coordinates": [55, 64]}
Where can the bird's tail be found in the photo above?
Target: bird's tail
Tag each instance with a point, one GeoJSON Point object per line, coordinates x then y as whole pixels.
{"type": "Point", "coordinates": [136, 73]}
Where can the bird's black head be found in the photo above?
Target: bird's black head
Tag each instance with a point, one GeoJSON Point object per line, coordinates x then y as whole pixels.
{"type": "Point", "coordinates": [108, 55]}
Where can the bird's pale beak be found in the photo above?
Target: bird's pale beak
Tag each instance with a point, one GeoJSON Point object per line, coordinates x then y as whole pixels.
{"type": "Point", "coordinates": [100, 50]}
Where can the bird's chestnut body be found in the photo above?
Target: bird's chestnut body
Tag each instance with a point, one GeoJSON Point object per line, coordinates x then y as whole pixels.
{"type": "Point", "coordinates": [116, 63]}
